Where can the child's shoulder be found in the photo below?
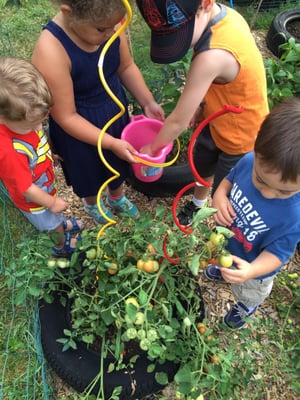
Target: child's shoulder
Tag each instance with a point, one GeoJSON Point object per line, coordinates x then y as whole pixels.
{"type": "Point", "coordinates": [5, 133]}
{"type": "Point", "coordinates": [246, 161]}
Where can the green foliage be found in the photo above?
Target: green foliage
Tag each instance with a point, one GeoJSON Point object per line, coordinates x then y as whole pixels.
{"type": "Point", "coordinates": [154, 308]}
{"type": "Point", "coordinates": [283, 75]}
{"type": "Point", "coordinates": [112, 298]}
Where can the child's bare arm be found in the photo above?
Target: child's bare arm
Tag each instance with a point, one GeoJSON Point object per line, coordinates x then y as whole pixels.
{"type": "Point", "coordinates": [132, 78]}
{"type": "Point", "coordinates": [205, 68]}
{"type": "Point", "coordinates": [37, 195]}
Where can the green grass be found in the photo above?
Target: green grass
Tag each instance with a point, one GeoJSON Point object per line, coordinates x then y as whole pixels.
{"type": "Point", "coordinates": [20, 373]}
{"type": "Point", "coordinates": [20, 27]}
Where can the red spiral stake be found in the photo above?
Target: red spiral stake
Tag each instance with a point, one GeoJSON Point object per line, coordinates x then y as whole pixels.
{"type": "Point", "coordinates": [198, 180]}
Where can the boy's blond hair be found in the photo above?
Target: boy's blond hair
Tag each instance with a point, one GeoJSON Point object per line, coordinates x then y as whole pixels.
{"type": "Point", "coordinates": [24, 94]}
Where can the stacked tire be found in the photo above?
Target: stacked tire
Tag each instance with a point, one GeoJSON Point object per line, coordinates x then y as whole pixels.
{"type": "Point", "coordinates": [278, 32]}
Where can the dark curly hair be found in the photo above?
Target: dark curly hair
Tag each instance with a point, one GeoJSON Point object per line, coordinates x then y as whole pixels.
{"type": "Point", "coordinates": [93, 10]}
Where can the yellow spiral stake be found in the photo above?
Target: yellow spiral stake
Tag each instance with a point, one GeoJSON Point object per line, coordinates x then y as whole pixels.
{"type": "Point", "coordinates": [113, 119]}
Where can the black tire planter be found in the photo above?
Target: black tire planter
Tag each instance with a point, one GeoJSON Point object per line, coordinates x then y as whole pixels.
{"type": "Point", "coordinates": [278, 33]}
{"type": "Point", "coordinates": [172, 180]}
{"type": "Point", "coordinates": [79, 367]}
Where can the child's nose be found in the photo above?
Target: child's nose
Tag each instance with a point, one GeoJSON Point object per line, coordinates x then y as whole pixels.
{"type": "Point", "coordinates": [268, 193]}
{"type": "Point", "coordinates": [109, 32]}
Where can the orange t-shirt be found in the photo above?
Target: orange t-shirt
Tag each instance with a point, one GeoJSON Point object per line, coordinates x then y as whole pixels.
{"type": "Point", "coordinates": [235, 133]}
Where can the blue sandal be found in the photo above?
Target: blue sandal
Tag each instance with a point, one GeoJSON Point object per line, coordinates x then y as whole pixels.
{"type": "Point", "coordinates": [77, 225]}
{"type": "Point", "coordinates": [66, 250]}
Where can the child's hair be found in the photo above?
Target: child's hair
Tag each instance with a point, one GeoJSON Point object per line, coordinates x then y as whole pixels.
{"type": "Point", "coordinates": [93, 10]}
{"type": "Point", "coordinates": [24, 94]}
{"type": "Point", "coordinates": [278, 141]}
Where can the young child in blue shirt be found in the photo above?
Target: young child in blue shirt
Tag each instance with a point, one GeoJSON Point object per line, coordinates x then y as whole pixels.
{"type": "Point", "coordinates": [259, 201]}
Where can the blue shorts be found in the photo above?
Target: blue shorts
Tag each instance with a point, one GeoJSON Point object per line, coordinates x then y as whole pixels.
{"type": "Point", "coordinates": [209, 160]}
{"type": "Point", "coordinates": [44, 220]}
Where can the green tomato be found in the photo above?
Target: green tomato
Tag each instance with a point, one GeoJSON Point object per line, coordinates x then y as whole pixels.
{"type": "Point", "coordinates": [131, 333]}
{"type": "Point", "coordinates": [51, 263]}
{"type": "Point", "coordinates": [187, 322]}
{"type": "Point", "coordinates": [217, 238]}
{"type": "Point", "coordinates": [63, 263]}
{"type": "Point", "coordinates": [140, 318]}
{"type": "Point", "coordinates": [133, 301]}
{"type": "Point", "coordinates": [145, 344]}
{"type": "Point", "coordinates": [91, 253]}
{"type": "Point", "coordinates": [141, 334]}
{"type": "Point", "coordinates": [225, 260]}
{"type": "Point", "coordinates": [152, 335]}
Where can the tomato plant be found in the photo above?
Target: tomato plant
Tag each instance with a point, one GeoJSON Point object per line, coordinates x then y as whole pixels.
{"type": "Point", "coordinates": [139, 282]}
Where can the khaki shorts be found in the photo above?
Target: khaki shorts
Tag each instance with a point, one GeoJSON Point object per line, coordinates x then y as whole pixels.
{"type": "Point", "coordinates": [253, 292]}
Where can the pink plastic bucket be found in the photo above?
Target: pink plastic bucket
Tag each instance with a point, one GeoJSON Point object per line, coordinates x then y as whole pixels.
{"type": "Point", "coordinates": [139, 132]}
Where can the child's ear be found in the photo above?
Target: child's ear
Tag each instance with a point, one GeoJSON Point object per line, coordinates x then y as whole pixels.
{"type": "Point", "coordinates": [65, 9]}
{"type": "Point", "coordinates": [207, 5]}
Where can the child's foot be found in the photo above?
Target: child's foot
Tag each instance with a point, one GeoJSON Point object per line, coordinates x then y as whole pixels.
{"type": "Point", "coordinates": [68, 248]}
{"type": "Point", "coordinates": [186, 215]}
{"type": "Point", "coordinates": [123, 205]}
{"type": "Point", "coordinates": [238, 315]}
{"type": "Point", "coordinates": [73, 225]}
{"type": "Point", "coordinates": [93, 211]}
{"type": "Point", "coordinates": [213, 273]}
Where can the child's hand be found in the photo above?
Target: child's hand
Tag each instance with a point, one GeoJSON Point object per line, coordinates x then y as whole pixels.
{"type": "Point", "coordinates": [239, 275]}
{"type": "Point", "coordinates": [147, 149]}
{"type": "Point", "coordinates": [59, 205]}
{"type": "Point", "coordinates": [154, 110]}
{"type": "Point", "coordinates": [124, 150]}
{"type": "Point", "coordinates": [56, 159]}
{"type": "Point", "coordinates": [225, 214]}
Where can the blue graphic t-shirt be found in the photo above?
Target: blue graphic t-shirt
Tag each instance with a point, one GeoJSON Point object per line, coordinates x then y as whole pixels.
{"type": "Point", "coordinates": [260, 223]}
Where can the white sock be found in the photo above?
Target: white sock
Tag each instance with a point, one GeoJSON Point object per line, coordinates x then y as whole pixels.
{"type": "Point", "coordinates": [199, 203]}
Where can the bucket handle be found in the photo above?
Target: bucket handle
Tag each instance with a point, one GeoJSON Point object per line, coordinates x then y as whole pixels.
{"type": "Point", "coordinates": [137, 117]}
{"type": "Point", "coordinates": [166, 164]}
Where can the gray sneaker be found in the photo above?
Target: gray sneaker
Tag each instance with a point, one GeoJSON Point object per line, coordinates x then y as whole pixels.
{"type": "Point", "coordinates": [238, 315]}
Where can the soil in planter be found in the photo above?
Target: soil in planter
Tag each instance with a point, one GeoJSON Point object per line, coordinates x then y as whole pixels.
{"type": "Point", "coordinates": [293, 27]}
